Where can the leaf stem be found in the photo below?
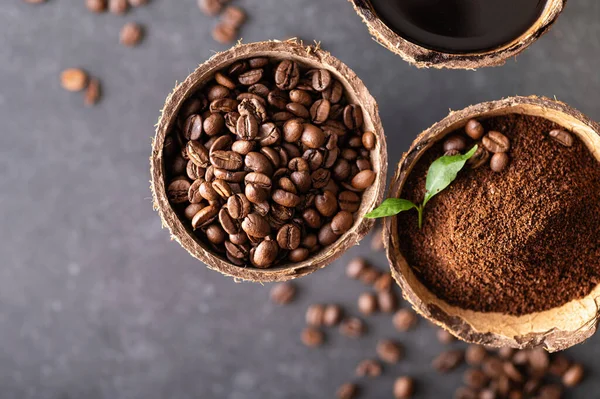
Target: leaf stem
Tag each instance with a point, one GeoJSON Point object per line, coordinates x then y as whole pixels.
{"type": "Point", "coordinates": [420, 211]}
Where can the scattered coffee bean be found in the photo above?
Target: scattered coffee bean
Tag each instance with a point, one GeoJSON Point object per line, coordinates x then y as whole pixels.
{"type": "Point", "coordinates": [448, 360]}
{"type": "Point", "coordinates": [234, 16]}
{"type": "Point", "coordinates": [387, 301]}
{"type": "Point", "coordinates": [367, 303]}
{"type": "Point", "coordinates": [131, 34]}
{"type": "Point", "coordinates": [347, 391]}
{"type": "Point", "coordinates": [404, 388]}
{"type": "Point", "coordinates": [383, 282]}
{"type": "Point", "coordinates": [496, 142]}
{"type": "Point", "coordinates": [283, 293]}
{"type": "Point", "coordinates": [210, 7]}
{"type": "Point", "coordinates": [573, 376]}
{"type": "Point", "coordinates": [224, 33]}
{"type": "Point", "coordinates": [97, 6]}
{"type": "Point", "coordinates": [73, 79]}
{"type": "Point", "coordinates": [356, 267]}
{"type": "Point", "coordinates": [353, 327]}
{"type": "Point", "coordinates": [404, 320]}
{"type": "Point", "coordinates": [480, 158]}
{"type": "Point", "coordinates": [377, 240]}
{"type": "Point", "coordinates": [539, 359]}
{"type": "Point", "coordinates": [315, 314]}
{"type": "Point", "coordinates": [92, 92]}
{"type": "Point", "coordinates": [475, 379]}
{"type": "Point", "coordinates": [559, 365]}
{"type": "Point", "coordinates": [369, 368]}
{"type": "Point", "coordinates": [118, 6]}
{"type": "Point", "coordinates": [138, 3]}
{"type": "Point", "coordinates": [445, 337]}
{"type": "Point", "coordinates": [312, 337]}
{"type": "Point", "coordinates": [332, 315]}
{"type": "Point", "coordinates": [455, 143]}
{"type": "Point", "coordinates": [370, 276]}
{"type": "Point", "coordinates": [475, 354]}
{"type": "Point", "coordinates": [561, 136]}
{"type": "Point", "coordinates": [474, 129]}
{"type": "Point", "coordinates": [389, 351]}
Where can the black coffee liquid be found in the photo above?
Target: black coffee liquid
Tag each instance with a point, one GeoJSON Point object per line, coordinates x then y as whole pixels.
{"type": "Point", "coordinates": [459, 26]}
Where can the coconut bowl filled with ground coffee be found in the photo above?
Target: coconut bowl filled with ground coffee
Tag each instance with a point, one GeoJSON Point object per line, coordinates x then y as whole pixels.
{"type": "Point", "coordinates": [265, 160]}
{"type": "Point", "coordinates": [461, 34]}
{"type": "Point", "coordinates": [509, 253]}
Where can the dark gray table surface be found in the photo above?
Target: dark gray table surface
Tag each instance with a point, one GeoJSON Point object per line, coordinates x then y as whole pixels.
{"type": "Point", "coordinates": [96, 302]}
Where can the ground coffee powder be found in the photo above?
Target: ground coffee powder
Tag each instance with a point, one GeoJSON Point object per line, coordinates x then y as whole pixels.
{"type": "Point", "coordinates": [520, 241]}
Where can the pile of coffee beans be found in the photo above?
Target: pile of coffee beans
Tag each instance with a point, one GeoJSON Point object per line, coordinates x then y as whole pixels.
{"type": "Point", "coordinates": [268, 162]}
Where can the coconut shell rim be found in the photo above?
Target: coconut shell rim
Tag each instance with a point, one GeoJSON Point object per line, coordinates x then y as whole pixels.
{"type": "Point", "coordinates": [552, 339]}
{"type": "Point", "coordinates": [423, 57]}
{"type": "Point", "coordinates": [292, 49]}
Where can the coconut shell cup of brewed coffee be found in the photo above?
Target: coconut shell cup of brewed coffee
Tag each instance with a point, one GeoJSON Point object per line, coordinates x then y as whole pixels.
{"type": "Point", "coordinates": [464, 38]}
{"type": "Point", "coordinates": [553, 326]}
{"type": "Point", "coordinates": [280, 175]}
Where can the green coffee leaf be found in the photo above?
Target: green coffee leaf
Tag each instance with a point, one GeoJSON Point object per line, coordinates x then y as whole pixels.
{"type": "Point", "coordinates": [390, 207]}
{"type": "Point", "coordinates": [443, 171]}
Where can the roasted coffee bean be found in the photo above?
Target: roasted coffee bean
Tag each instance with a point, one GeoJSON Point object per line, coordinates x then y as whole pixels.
{"type": "Point", "coordinates": [389, 351]}
{"type": "Point", "coordinates": [256, 225]}
{"type": "Point", "coordinates": [348, 201]}
{"type": "Point", "coordinates": [511, 371]}
{"type": "Point", "coordinates": [224, 105]}
{"type": "Point", "coordinates": [404, 388]}
{"type": "Point", "coordinates": [368, 368]}
{"type": "Point", "coordinates": [193, 171]}
{"type": "Point", "coordinates": [238, 206]}
{"type": "Point", "coordinates": [254, 108]}
{"type": "Point", "coordinates": [287, 75]}
{"type": "Point", "coordinates": [356, 267]}
{"type": "Point", "coordinates": [222, 188]}
{"type": "Point", "coordinates": [573, 376]}
{"type": "Point", "coordinates": [73, 79]}
{"type": "Point", "coordinates": [475, 379]}
{"type": "Point", "coordinates": [539, 360]}
{"type": "Point", "coordinates": [131, 34]}
{"type": "Point", "coordinates": [342, 222]}
{"type": "Point", "coordinates": [347, 391]}
{"type": "Point", "coordinates": [239, 238]}
{"type": "Point", "coordinates": [283, 293]}
{"type": "Point", "coordinates": [298, 110]}
{"type": "Point", "coordinates": [242, 147]}
{"type": "Point", "coordinates": [368, 140]}
{"type": "Point", "coordinates": [455, 143]}
{"type": "Point", "coordinates": [467, 393]}
{"type": "Point", "coordinates": [217, 92]}
{"type": "Point", "coordinates": [95, 5]}
{"type": "Point", "coordinates": [367, 303]}
{"type": "Point", "coordinates": [496, 142]}
{"type": "Point", "coordinates": [288, 236]}
{"type": "Point", "coordinates": [228, 175]}
{"type": "Point", "coordinates": [312, 337]}
{"type": "Point", "coordinates": [215, 234]}
{"type": "Point", "coordinates": [553, 391]}
{"type": "Point", "coordinates": [229, 224]}
{"type": "Point", "coordinates": [259, 89]}
{"type": "Point", "coordinates": [285, 198]}
{"type": "Point", "coordinates": [363, 179]}
{"type": "Point", "coordinates": [448, 360]}
{"type": "Point", "coordinates": [493, 367]}
{"type": "Point", "coordinates": [326, 235]}
{"type": "Point", "coordinates": [332, 315]}
{"type": "Point", "coordinates": [282, 116]}
{"type": "Point", "coordinates": [249, 96]}
{"type": "Point", "coordinates": [247, 127]}
{"type": "Point", "coordinates": [404, 320]}
{"type": "Point", "coordinates": [334, 92]}
{"type": "Point", "coordinates": [301, 97]}
{"type": "Point", "coordinates": [292, 130]}
{"type": "Point", "coordinates": [278, 99]}
{"type": "Point", "coordinates": [475, 355]}
{"type": "Point", "coordinates": [321, 79]}
{"type": "Point", "coordinates": [326, 204]}
{"type": "Point", "coordinates": [210, 7]}
{"type": "Point", "coordinates": [193, 127]}
{"type": "Point", "coordinates": [315, 315]}
{"type": "Point", "coordinates": [298, 255]}
{"type": "Point", "coordinates": [194, 195]}
{"type": "Point", "coordinates": [320, 178]}
{"type": "Point", "coordinates": [204, 216]}
{"type": "Point", "coordinates": [387, 301]}
{"type": "Point", "coordinates": [286, 184]}
{"type": "Point", "coordinates": [312, 218]}
{"type": "Point", "coordinates": [480, 157]}
{"type": "Point", "coordinates": [251, 77]}
{"type": "Point", "coordinates": [444, 337]}
{"type": "Point", "coordinates": [264, 254]}
{"type": "Point", "coordinates": [262, 208]}
{"type": "Point", "coordinates": [451, 153]}
{"type": "Point", "coordinates": [353, 116]}
{"type": "Point", "coordinates": [315, 158]}
{"type": "Point", "coordinates": [319, 111]}
{"type": "Point", "coordinates": [269, 134]}
{"type": "Point", "coordinates": [178, 190]}
{"type": "Point", "coordinates": [383, 283]}
{"type": "Point", "coordinates": [198, 154]}
{"type": "Point", "coordinates": [559, 365]}
{"type": "Point", "coordinates": [562, 137]}
{"type": "Point", "coordinates": [179, 166]}
{"type": "Point", "coordinates": [257, 162]}
{"type": "Point", "coordinates": [334, 127]}
{"type": "Point", "coordinates": [214, 124]}
{"type": "Point", "coordinates": [353, 327]}
{"type": "Point", "coordinates": [231, 121]}
{"type": "Point", "coordinates": [312, 136]}
{"type": "Point", "coordinates": [499, 161]}
{"type": "Point", "coordinates": [208, 192]}
{"type": "Point", "coordinates": [118, 6]}
{"type": "Point", "coordinates": [225, 80]}
{"type": "Point", "coordinates": [192, 209]}
{"type": "Point", "coordinates": [228, 160]}
{"type": "Point", "coordinates": [474, 129]}
{"type": "Point", "coordinates": [233, 16]}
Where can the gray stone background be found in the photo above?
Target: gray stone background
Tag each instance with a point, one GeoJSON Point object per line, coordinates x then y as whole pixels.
{"type": "Point", "coordinates": [96, 302]}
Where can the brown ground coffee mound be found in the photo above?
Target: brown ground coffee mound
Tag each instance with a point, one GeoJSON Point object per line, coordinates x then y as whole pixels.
{"type": "Point", "coordinates": [520, 241]}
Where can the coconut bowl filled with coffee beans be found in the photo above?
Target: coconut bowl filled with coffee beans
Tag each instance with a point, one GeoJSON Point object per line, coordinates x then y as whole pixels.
{"type": "Point", "coordinates": [266, 159]}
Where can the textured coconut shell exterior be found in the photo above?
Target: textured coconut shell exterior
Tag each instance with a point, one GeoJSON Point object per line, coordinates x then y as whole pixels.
{"type": "Point", "coordinates": [422, 57]}
{"type": "Point", "coordinates": [554, 329]}
{"type": "Point", "coordinates": [310, 56]}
